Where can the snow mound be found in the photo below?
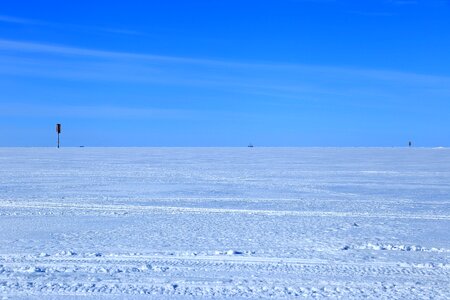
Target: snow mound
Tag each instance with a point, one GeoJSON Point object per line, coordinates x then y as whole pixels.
{"type": "Point", "coordinates": [391, 247]}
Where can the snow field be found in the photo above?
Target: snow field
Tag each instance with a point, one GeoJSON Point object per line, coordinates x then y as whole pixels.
{"type": "Point", "coordinates": [224, 222]}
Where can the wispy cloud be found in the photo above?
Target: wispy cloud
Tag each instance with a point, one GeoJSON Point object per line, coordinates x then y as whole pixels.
{"type": "Point", "coordinates": [267, 81]}
{"type": "Point", "coordinates": [64, 50]}
{"type": "Point", "coordinates": [9, 19]}
{"type": "Point", "coordinates": [59, 50]}
{"type": "Point", "coordinates": [54, 25]}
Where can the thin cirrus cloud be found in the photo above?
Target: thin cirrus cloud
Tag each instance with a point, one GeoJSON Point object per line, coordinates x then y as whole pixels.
{"type": "Point", "coordinates": [275, 83]}
{"type": "Point", "coordinates": [10, 19]}
{"type": "Point", "coordinates": [115, 56]}
{"type": "Point", "coordinates": [34, 22]}
{"type": "Point", "coordinates": [65, 50]}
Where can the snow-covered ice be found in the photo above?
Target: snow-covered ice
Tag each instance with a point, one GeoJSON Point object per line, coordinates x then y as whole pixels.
{"type": "Point", "coordinates": [224, 222]}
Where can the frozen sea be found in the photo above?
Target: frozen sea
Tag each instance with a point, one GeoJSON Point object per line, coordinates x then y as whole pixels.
{"type": "Point", "coordinates": [182, 223]}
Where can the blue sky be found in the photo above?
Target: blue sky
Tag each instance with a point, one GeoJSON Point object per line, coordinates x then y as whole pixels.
{"type": "Point", "coordinates": [225, 73]}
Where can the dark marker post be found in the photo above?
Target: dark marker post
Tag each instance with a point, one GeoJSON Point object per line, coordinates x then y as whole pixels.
{"type": "Point", "coordinates": [58, 130]}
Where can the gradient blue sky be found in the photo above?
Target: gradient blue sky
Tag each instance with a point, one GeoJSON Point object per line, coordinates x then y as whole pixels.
{"type": "Point", "coordinates": [225, 73]}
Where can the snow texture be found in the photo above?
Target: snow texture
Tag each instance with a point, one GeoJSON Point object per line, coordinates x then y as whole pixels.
{"type": "Point", "coordinates": [182, 223]}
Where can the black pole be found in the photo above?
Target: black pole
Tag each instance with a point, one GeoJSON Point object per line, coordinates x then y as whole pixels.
{"type": "Point", "coordinates": [58, 131]}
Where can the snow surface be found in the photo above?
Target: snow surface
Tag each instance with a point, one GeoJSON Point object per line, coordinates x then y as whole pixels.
{"type": "Point", "coordinates": [224, 222]}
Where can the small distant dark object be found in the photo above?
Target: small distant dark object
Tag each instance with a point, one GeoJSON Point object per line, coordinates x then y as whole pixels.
{"type": "Point", "coordinates": [250, 145]}
{"type": "Point", "coordinates": [81, 146]}
{"type": "Point", "coordinates": [58, 131]}
{"type": "Point", "coordinates": [410, 144]}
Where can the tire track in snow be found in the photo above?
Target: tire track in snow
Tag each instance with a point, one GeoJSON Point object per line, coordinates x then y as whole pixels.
{"type": "Point", "coordinates": [186, 275]}
{"type": "Point", "coordinates": [225, 262]}
{"type": "Point", "coordinates": [142, 209]}
{"type": "Point", "coordinates": [370, 200]}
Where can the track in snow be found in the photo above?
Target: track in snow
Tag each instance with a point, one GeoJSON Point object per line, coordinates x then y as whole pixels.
{"type": "Point", "coordinates": [53, 207]}
{"type": "Point", "coordinates": [232, 275]}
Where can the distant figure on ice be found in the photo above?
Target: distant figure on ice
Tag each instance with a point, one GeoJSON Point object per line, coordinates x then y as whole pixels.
{"type": "Point", "coordinates": [250, 145]}
{"type": "Point", "coordinates": [410, 143]}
